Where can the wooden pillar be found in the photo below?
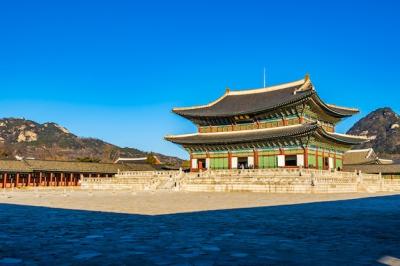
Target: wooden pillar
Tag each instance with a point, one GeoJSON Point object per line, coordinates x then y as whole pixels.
{"type": "Point", "coordinates": [323, 160]}
{"type": "Point", "coordinates": [255, 159]}
{"type": "Point", "coordinates": [305, 157]}
{"type": "Point", "coordinates": [334, 159]}
{"type": "Point", "coordinates": [190, 162]}
{"type": "Point", "coordinates": [62, 179]}
{"type": "Point", "coordinates": [40, 179]}
{"type": "Point", "coordinates": [71, 177]}
{"type": "Point", "coordinates": [51, 179]}
{"type": "Point", "coordinates": [229, 160]}
{"type": "Point", "coordinates": [17, 180]}
{"type": "Point", "coordinates": [80, 178]}
{"type": "Point", "coordinates": [29, 179]}
{"type": "Point", "coordinates": [4, 180]}
{"type": "Point", "coordinates": [316, 156]}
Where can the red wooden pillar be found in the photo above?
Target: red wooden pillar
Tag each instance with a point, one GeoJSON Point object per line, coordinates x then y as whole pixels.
{"type": "Point", "coordinates": [285, 122]}
{"type": "Point", "coordinates": [316, 156]}
{"type": "Point", "coordinates": [323, 159]}
{"type": "Point", "coordinates": [17, 180]}
{"type": "Point", "coordinates": [305, 157]}
{"type": "Point", "coordinates": [229, 160]}
{"type": "Point", "coordinates": [29, 179]}
{"type": "Point", "coordinates": [4, 180]}
{"type": "Point", "coordinates": [255, 159]}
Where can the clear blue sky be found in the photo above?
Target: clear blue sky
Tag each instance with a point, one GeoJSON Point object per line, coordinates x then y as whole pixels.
{"type": "Point", "coordinates": [114, 69]}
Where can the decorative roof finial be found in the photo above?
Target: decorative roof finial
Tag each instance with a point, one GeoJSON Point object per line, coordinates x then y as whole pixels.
{"type": "Point", "coordinates": [227, 90]}
{"type": "Point", "coordinates": [307, 77]}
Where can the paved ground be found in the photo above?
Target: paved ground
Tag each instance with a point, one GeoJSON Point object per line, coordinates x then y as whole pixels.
{"type": "Point", "coordinates": [356, 232]}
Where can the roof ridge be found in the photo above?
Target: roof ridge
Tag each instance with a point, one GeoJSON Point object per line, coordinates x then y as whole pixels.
{"type": "Point", "coordinates": [229, 92]}
{"type": "Point", "coordinates": [266, 89]}
{"type": "Point", "coordinates": [358, 150]}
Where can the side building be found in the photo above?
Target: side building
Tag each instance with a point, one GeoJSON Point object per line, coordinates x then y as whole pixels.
{"type": "Point", "coordinates": [25, 173]}
{"type": "Point", "coordinates": [286, 125]}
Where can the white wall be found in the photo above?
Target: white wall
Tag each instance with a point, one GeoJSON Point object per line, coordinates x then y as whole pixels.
{"type": "Point", "coordinates": [194, 163]}
{"type": "Point", "coordinates": [300, 160]}
{"type": "Point", "coordinates": [281, 160]}
{"type": "Point", "coordinates": [234, 162]}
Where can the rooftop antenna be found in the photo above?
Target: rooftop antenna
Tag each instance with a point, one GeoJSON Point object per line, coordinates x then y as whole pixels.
{"type": "Point", "coordinates": [264, 78]}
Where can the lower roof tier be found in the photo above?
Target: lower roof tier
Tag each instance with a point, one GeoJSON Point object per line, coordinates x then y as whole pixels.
{"type": "Point", "coordinates": [268, 134]}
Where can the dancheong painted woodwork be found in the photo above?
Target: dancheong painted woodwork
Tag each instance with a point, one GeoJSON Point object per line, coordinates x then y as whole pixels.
{"type": "Point", "coordinates": [286, 125]}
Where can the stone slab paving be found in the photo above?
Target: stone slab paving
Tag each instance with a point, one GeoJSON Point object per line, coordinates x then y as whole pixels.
{"type": "Point", "coordinates": [347, 232]}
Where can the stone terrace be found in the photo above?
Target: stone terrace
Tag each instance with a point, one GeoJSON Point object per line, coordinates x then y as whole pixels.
{"type": "Point", "coordinates": [257, 180]}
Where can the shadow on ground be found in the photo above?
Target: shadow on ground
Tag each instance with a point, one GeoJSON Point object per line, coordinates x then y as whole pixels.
{"type": "Point", "coordinates": [356, 231]}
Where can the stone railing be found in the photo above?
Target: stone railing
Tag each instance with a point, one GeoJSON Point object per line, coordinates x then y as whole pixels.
{"type": "Point", "coordinates": [257, 180]}
{"type": "Point", "coordinates": [147, 173]}
{"type": "Point", "coordinates": [273, 172]}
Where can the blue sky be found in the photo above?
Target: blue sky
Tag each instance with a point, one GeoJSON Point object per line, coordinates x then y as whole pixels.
{"type": "Point", "coordinates": [114, 69]}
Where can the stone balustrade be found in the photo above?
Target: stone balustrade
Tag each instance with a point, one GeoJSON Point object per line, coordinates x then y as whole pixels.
{"type": "Point", "coordinates": [255, 180]}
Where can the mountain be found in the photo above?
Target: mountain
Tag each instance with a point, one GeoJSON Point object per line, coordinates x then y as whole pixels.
{"type": "Point", "coordinates": [382, 126]}
{"type": "Point", "coordinates": [50, 141]}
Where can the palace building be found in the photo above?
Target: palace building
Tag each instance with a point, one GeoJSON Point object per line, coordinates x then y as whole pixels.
{"type": "Point", "coordinates": [286, 125]}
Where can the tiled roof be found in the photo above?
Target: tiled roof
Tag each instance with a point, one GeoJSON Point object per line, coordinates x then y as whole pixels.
{"type": "Point", "coordinates": [234, 103]}
{"type": "Point", "coordinates": [374, 168]}
{"type": "Point", "coordinates": [364, 156]}
{"type": "Point", "coordinates": [67, 166]}
{"type": "Point", "coordinates": [14, 166]}
{"type": "Point", "coordinates": [262, 135]}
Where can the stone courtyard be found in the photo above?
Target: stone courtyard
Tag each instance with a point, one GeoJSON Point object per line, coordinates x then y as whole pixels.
{"type": "Point", "coordinates": [126, 228]}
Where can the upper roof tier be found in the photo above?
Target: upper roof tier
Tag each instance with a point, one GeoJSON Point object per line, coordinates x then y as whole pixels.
{"type": "Point", "coordinates": [255, 101]}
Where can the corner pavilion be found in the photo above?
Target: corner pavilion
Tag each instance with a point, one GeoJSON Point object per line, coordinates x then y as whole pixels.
{"type": "Point", "coordinates": [286, 125]}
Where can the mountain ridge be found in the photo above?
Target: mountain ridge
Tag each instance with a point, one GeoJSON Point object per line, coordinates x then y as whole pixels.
{"type": "Point", "coordinates": [50, 141]}
{"type": "Point", "coordinates": [382, 126]}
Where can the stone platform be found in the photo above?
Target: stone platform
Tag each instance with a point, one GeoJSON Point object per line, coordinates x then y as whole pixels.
{"type": "Point", "coordinates": [250, 180]}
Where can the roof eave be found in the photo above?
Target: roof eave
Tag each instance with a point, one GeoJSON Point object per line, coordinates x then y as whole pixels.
{"type": "Point", "coordinates": [329, 108]}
